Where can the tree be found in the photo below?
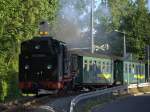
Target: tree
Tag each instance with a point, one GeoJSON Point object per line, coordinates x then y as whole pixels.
{"type": "Point", "coordinates": [138, 27]}
{"type": "Point", "coordinates": [133, 18]}
{"type": "Point", "coordinates": [19, 21]}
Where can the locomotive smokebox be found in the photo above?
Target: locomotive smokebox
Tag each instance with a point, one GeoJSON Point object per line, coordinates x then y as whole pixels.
{"type": "Point", "coordinates": [44, 28]}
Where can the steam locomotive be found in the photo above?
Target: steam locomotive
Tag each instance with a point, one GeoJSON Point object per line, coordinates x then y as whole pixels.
{"type": "Point", "coordinates": [46, 65]}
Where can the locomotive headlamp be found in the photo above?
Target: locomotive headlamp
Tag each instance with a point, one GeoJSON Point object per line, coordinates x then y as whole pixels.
{"type": "Point", "coordinates": [37, 47]}
{"type": "Point", "coordinates": [41, 33]}
{"type": "Point", "coordinates": [26, 67]}
{"type": "Point", "coordinates": [49, 66]}
{"type": "Point", "coordinates": [45, 33]}
{"type": "Point", "coordinates": [44, 28]}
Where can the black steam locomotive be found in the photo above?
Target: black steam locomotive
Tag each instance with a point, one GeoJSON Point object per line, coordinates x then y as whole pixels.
{"type": "Point", "coordinates": [46, 65]}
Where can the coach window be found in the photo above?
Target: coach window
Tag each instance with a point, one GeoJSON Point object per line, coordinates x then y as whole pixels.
{"type": "Point", "coordinates": [108, 67]}
{"type": "Point", "coordinates": [133, 69]}
{"type": "Point", "coordinates": [85, 65]}
{"type": "Point", "coordinates": [90, 62]}
{"type": "Point", "coordinates": [111, 64]}
{"type": "Point", "coordinates": [95, 62]}
{"type": "Point", "coordinates": [129, 68]}
{"type": "Point", "coordinates": [126, 68]}
{"type": "Point", "coordinates": [143, 69]}
{"type": "Point", "coordinates": [105, 64]}
{"type": "Point", "coordinates": [140, 69]}
{"type": "Point", "coordinates": [103, 67]}
{"type": "Point", "coordinates": [94, 65]}
{"type": "Point", "coordinates": [85, 61]}
{"type": "Point", "coordinates": [99, 65]}
{"type": "Point", "coordinates": [90, 65]}
{"type": "Point", "coordinates": [136, 69]}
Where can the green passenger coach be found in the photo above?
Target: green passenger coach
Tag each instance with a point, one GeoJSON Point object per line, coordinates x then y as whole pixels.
{"type": "Point", "coordinates": [100, 70]}
{"type": "Point", "coordinates": [95, 70]}
{"type": "Point", "coordinates": [130, 72]}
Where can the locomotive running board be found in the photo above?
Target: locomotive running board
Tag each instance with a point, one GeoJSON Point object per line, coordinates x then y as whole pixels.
{"type": "Point", "coordinates": [43, 91]}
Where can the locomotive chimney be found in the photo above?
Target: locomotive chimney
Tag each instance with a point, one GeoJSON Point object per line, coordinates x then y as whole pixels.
{"type": "Point", "coordinates": [44, 28]}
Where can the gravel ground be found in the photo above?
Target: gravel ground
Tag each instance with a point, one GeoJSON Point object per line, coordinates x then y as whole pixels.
{"type": "Point", "coordinates": [49, 103]}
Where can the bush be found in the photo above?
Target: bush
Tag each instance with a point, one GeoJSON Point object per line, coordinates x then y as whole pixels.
{"type": "Point", "coordinates": [3, 90]}
{"type": "Point", "coordinates": [12, 82]}
{"type": "Point", "coordinates": [9, 87]}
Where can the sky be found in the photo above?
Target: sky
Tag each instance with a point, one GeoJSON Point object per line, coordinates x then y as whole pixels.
{"type": "Point", "coordinates": [149, 5]}
{"type": "Point", "coordinates": [98, 1]}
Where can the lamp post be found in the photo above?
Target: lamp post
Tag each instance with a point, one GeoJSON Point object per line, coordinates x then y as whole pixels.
{"type": "Point", "coordinates": [148, 48]}
{"type": "Point", "coordinates": [124, 42]}
{"type": "Point", "coordinates": [124, 47]}
{"type": "Point", "coordinates": [92, 38]}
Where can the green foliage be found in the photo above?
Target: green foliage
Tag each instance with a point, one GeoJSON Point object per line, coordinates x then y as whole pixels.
{"type": "Point", "coordinates": [12, 81]}
{"type": "Point", "coordinates": [19, 21]}
{"type": "Point", "coordinates": [133, 18]}
{"type": "Point", "coordinates": [3, 90]}
{"type": "Point", "coordinates": [119, 9]}
{"type": "Point", "coordinates": [138, 27]}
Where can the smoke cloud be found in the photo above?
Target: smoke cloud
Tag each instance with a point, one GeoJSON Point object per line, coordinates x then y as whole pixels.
{"type": "Point", "coordinates": [73, 25]}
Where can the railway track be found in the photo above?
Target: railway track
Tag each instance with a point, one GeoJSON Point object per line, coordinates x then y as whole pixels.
{"type": "Point", "coordinates": [46, 103]}
{"type": "Point", "coordinates": [61, 104]}
{"type": "Point", "coordinates": [15, 106]}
